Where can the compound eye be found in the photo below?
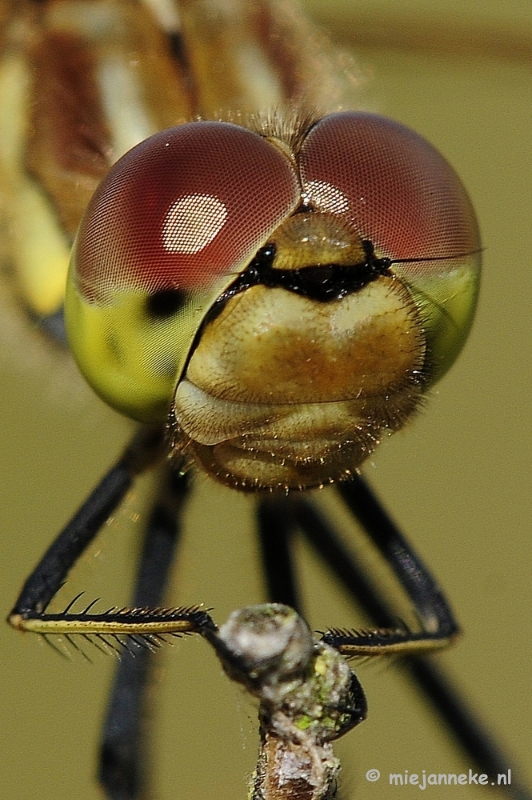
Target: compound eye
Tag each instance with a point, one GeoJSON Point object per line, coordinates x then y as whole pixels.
{"type": "Point", "coordinates": [166, 232]}
{"type": "Point", "coordinates": [181, 209]}
{"type": "Point", "coordinates": [397, 191]}
{"type": "Point", "coordinates": [394, 187]}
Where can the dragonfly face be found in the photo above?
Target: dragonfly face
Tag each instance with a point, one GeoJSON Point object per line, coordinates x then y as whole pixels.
{"type": "Point", "coordinates": [285, 313]}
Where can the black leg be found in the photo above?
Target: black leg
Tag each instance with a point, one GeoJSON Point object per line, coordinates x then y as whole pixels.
{"type": "Point", "coordinates": [463, 723]}
{"type": "Point", "coordinates": [149, 625]}
{"type": "Point", "coordinates": [276, 528]}
{"type": "Point", "coordinates": [123, 755]}
{"type": "Point", "coordinates": [465, 728]}
{"type": "Point", "coordinates": [429, 601]}
{"type": "Point", "coordinates": [136, 631]}
{"type": "Point", "coordinates": [52, 570]}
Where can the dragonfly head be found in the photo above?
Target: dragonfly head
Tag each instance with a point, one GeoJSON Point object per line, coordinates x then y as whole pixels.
{"type": "Point", "coordinates": [284, 307]}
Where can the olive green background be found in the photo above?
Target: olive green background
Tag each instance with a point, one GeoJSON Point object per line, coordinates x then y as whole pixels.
{"type": "Point", "coordinates": [458, 480]}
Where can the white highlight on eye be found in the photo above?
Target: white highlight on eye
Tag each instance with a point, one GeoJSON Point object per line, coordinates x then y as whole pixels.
{"type": "Point", "coordinates": [192, 222]}
{"type": "Point", "coordinates": [327, 197]}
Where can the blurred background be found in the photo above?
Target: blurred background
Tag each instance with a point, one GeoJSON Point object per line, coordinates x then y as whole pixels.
{"type": "Point", "coordinates": [457, 480]}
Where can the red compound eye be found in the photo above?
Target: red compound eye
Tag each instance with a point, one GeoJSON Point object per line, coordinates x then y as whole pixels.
{"type": "Point", "coordinates": [182, 208]}
{"type": "Point", "coordinates": [393, 186]}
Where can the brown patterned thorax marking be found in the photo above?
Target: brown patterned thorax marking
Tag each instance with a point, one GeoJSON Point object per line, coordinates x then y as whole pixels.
{"type": "Point", "coordinates": [70, 147]}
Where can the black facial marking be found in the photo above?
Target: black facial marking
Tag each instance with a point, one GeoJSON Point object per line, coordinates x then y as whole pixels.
{"type": "Point", "coordinates": [323, 282]}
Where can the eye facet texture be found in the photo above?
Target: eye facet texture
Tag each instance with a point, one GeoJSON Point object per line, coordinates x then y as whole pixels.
{"type": "Point", "coordinates": [394, 187]}
{"type": "Point", "coordinates": [183, 208]}
{"type": "Point", "coordinates": [398, 191]}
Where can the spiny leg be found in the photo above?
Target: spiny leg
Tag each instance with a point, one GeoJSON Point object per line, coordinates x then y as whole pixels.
{"type": "Point", "coordinates": [429, 603]}
{"type": "Point", "coordinates": [279, 519]}
{"type": "Point", "coordinates": [124, 760]}
{"type": "Point", "coordinates": [53, 568]}
{"type": "Point", "coordinates": [427, 598]}
{"type": "Point", "coordinates": [148, 624]}
{"type": "Point", "coordinates": [140, 628]}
